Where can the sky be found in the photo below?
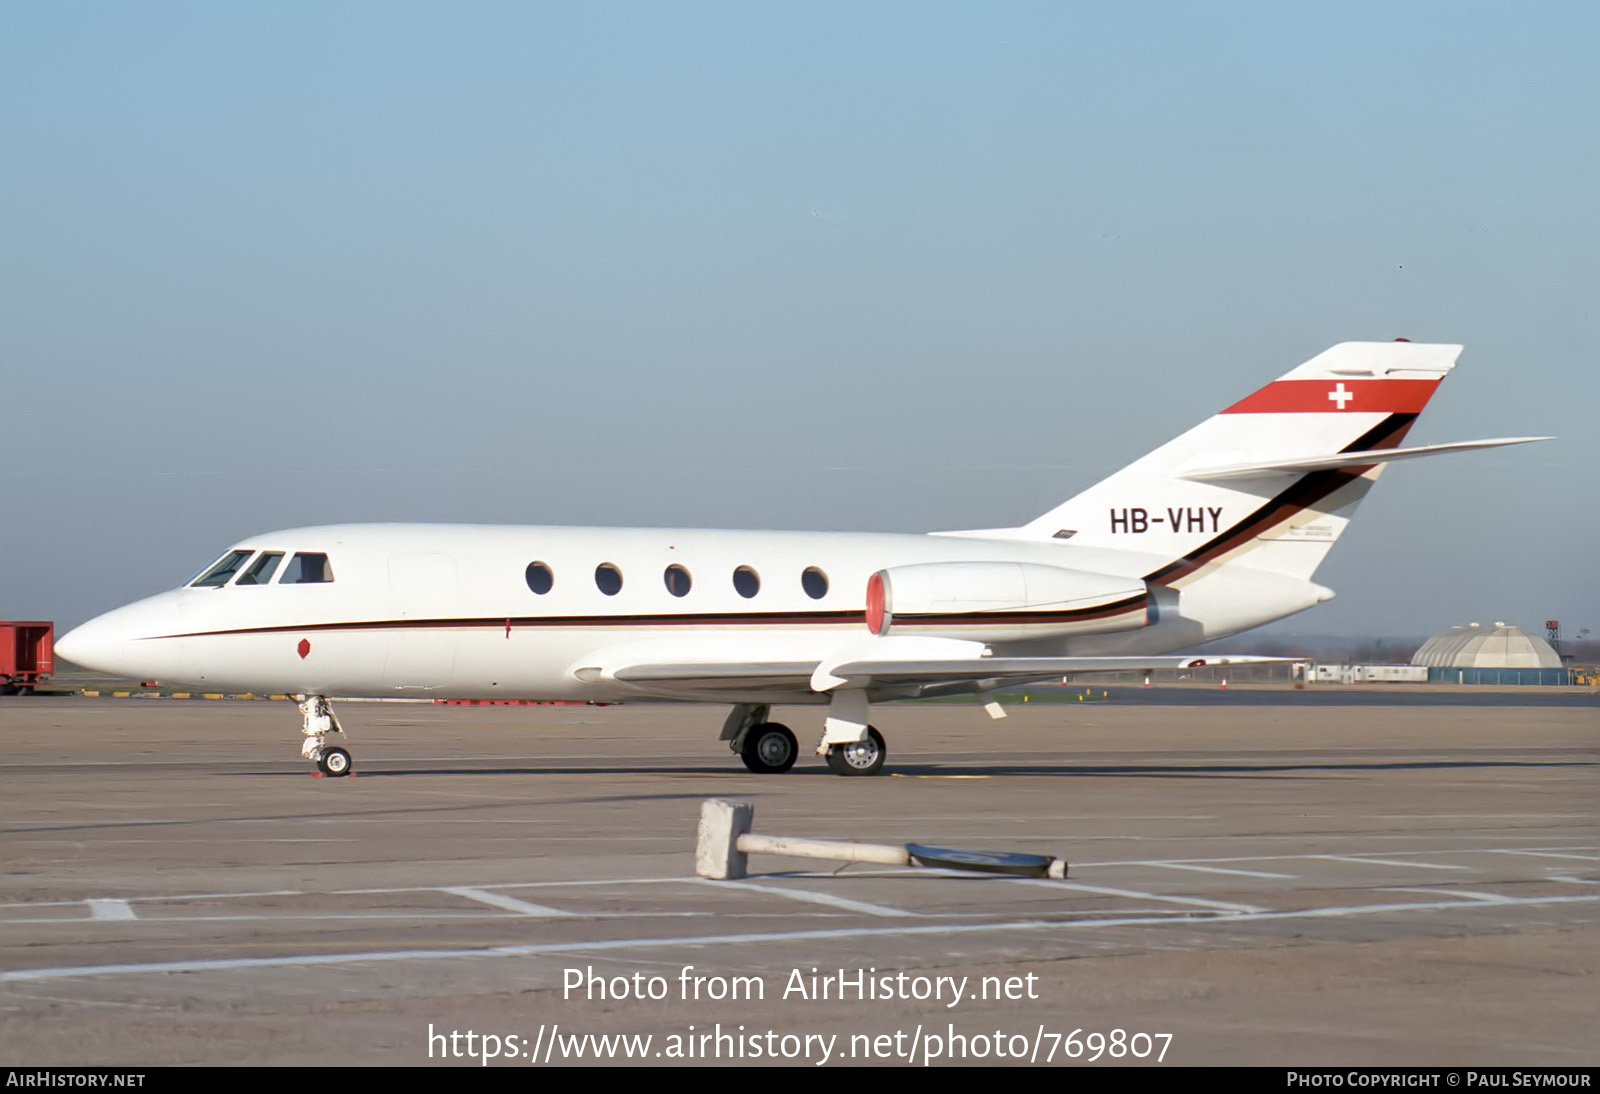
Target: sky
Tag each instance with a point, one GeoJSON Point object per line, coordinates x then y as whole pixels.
{"type": "Point", "coordinates": [887, 266]}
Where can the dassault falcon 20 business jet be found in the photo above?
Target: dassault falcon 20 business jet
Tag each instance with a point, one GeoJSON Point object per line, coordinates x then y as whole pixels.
{"type": "Point", "coordinates": [1213, 533]}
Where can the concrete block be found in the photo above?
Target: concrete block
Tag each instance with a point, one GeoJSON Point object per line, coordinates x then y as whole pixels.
{"type": "Point", "coordinates": [717, 853]}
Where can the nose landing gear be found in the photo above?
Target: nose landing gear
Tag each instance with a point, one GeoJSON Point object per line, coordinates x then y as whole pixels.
{"type": "Point", "coordinates": [318, 724]}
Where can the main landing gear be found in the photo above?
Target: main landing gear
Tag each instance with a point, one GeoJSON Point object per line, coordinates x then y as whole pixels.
{"type": "Point", "coordinates": [767, 748]}
{"type": "Point", "coordinates": [319, 724]}
{"type": "Point", "coordinates": [849, 744]}
{"type": "Point", "coordinates": [859, 757]}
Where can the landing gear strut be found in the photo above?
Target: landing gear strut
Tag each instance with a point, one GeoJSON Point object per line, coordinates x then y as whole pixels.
{"type": "Point", "coordinates": [850, 745]}
{"type": "Point", "coordinates": [319, 724]}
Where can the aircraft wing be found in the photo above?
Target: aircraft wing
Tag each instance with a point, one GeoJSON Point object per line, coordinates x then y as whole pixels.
{"type": "Point", "coordinates": [923, 676]}
{"type": "Point", "coordinates": [1002, 669]}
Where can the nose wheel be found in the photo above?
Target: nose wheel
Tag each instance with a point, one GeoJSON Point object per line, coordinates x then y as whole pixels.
{"type": "Point", "coordinates": [334, 762]}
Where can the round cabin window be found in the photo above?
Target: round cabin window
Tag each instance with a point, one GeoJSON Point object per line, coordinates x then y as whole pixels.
{"type": "Point", "coordinates": [746, 582]}
{"type": "Point", "coordinates": [539, 577]}
{"type": "Point", "coordinates": [678, 580]}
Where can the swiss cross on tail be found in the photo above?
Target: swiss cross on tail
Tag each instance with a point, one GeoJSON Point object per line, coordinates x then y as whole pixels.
{"type": "Point", "coordinates": [1389, 395]}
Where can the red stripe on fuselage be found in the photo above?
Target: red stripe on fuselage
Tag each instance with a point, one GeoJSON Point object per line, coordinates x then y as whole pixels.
{"type": "Point", "coordinates": [1338, 396]}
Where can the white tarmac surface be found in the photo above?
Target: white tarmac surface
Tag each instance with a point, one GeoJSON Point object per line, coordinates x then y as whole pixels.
{"type": "Point", "coordinates": [1304, 882]}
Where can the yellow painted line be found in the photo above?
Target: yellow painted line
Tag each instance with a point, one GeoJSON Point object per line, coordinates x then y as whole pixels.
{"type": "Point", "coordinates": [280, 697]}
{"type": "Point", "coordinates": [120, 694]}
{"type": "Point", "coordinates": [91, 694]}
{"type": "Point", "coordinates": [212, 695]}
{"type": "Point", "coordinates": [180, 695]}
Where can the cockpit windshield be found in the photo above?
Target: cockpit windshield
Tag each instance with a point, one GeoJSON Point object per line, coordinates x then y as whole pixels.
{"type": "Point", "coordinates": [304, 568]}
{"type": "Point", "coordinates": [261, 571]}
{"type": "Point", "coordinates": [307, 569]}
{"type": "Point", "coordinates": [225, 568]}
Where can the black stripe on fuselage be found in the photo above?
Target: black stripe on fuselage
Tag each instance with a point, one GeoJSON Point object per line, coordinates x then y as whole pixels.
{"type": "Point", "coordinates": [676, 619]}
{"type": "Point", "coordinates": [697, 619]}
{"type": "Point", "coordinates": [1303, 493]}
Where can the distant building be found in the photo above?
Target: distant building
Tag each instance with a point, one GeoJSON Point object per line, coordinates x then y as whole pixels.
{"type": "Point", "coordinates": [1500, 654]}
{"type": "Point", "coordinates": [1369, 674]}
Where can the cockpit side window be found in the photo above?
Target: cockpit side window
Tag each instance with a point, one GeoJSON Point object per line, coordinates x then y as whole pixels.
{"type": "Point", "coordinates": [261, 570]}
{"type": "Point", "coordinates": [306, 568]}
{"type": "Point", "coordinates": [225, 568]}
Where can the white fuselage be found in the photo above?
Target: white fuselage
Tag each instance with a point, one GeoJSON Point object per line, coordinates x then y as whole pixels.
{"type": "Point", "coordinates": [447, 611]}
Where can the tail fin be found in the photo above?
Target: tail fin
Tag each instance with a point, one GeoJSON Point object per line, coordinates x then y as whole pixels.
{"type": "Point", "coordinates": [1271, 477]}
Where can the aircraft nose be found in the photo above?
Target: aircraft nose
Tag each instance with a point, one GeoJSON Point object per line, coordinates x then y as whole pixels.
{"type": "Point", "coordinates": [119, 642]}
{"type": "Point", "coordinates": [76, 645]}
{"type": "Point", "coordinates": [99, 644]}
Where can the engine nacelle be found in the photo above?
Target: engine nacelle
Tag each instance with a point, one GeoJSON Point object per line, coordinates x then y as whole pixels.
{"type": "Point", "coordinates": [1002, 601]}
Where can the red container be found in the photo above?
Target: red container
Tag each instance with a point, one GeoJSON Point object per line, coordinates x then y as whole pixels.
{"type": "Point", "coordinates": [27, 655]}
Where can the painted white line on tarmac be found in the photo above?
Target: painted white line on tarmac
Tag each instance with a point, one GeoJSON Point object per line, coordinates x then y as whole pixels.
{"type": "Point", "coordinates": [1353, 854]}
{"type": "Point", "coordinates": [1215, 905]}
{"type": "Point", "coordinates": [503, 900]}
{"type": "Point", "coordinates": [1218, 870]}
{"type": "Point", "coordinates": [176, 896]}
{"type": "Point", "coordinates": [1574, 880]}
{"type": "Point", "coordinates": [1195, 863]}
{"type": "Point", "coordinates": [509, 885]}
{"type": "Point", "coordinates": [1467, 894]}
{"type": "Point", "coordinates": [537, 949]}
{"type": "Point", "coordinates": [1365, 860]}
{"type": "Point", "coordinates": [110, 909]}
{"type": "Point", "coordinates": [430, 917]}
{"type": "Point", "coordinates": [434, 917]}
{"type": "Point", "coordinates": [349, 892]}
{"type": "Point", "coordinates": [811, 897]}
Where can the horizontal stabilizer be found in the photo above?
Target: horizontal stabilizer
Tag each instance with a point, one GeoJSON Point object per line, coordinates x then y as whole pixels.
{"type": "Point", "coordinates": [1301, 465]}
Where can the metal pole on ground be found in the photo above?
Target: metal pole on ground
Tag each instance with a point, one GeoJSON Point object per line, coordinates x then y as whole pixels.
{"type": "Point", "coordinates": [725, 844]}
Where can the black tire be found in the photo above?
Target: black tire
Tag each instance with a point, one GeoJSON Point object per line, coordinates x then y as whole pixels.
{"type": "Point", "coordinates": [9, 689]}
{"type": "Point", "coordinates": [859, 757]}
{"type": "Point", "coordinates": [334, 763]}
{"type": "Point", "coordinates": [769, 749]}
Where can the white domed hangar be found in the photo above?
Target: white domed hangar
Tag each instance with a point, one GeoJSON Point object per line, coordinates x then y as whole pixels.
{"type": "Point", "coordinates": [1498, 654]}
